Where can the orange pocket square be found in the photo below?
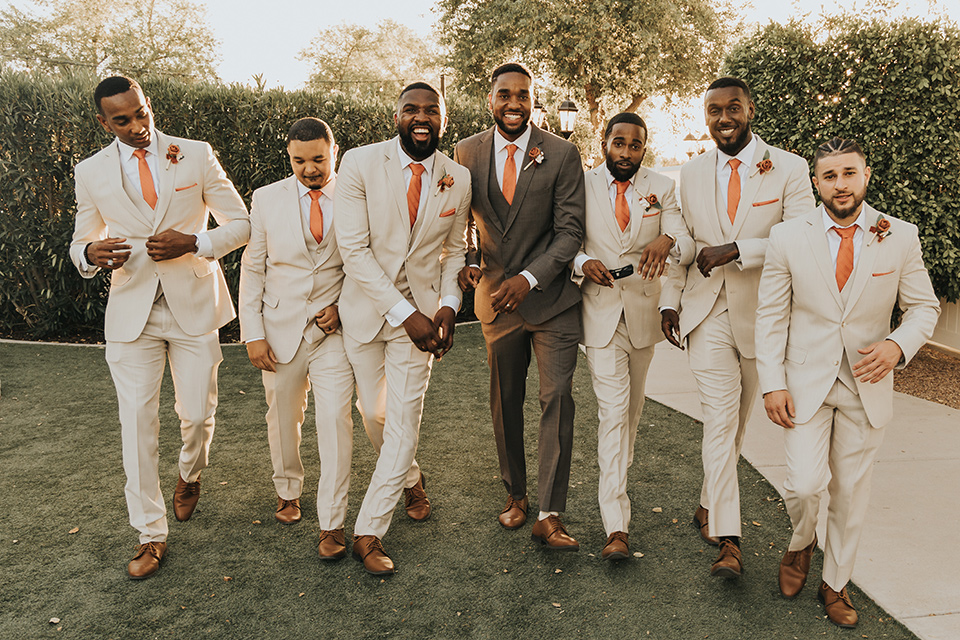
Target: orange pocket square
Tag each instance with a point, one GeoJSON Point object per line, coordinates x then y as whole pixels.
{"type": "Point", "coordinates": [650, 215]}
{"type": "Point", "coordinates": [185, 188]}
{"type": "Point", "coordinates": [885, 273]}
{"type": "Point", "coordinates": [760, 204]}
{"type": "Point", "coordinates": [448, 213]}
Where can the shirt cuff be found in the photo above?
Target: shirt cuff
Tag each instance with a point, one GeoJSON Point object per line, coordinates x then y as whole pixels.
{"type": "Point", "coordinates": [529, 276]}
{"type": "Point", "coordinates": [249, 340]}
{"type": "Point", "coordinates": [578, 263]}
{"type": "Point", "coordinates": [451, 301]}
{"type": "Point", "coordinates": [665, 307]}
{"type": "Point", "coordinates": [399, 313]}
{"type": "Point", "coordinates": [87, 267]}
{"type": "Point", "coordinates": [204, 245]}
{"type": "Point", "coordinates": [739, 260]}
{"type": "Point", "coordinates": [473, 265]}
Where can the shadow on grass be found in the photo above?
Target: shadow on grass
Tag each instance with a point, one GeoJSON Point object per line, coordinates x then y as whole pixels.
{"type": "Point", "coordinates": [233, 572]}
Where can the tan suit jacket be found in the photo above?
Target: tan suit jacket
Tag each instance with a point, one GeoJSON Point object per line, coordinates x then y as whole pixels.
{"type": "Point", "coordinates": [378, 245]}
{"type": "Point", "coordinates": [283, 285]}
{"type": "Point", "coordinates": [765, 199]}
{"type": "Point", "coordinates": [632, 297]}
{"type": "Point", "coordinates": [804, 329]}
{"type": "Point", "coordinates": [190, 190]}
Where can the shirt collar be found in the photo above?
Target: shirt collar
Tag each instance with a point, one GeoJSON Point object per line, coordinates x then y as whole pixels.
{"type": "Point", "coordinates": [829, 223]}
{"type": "Point", "coordinates": [126, 151]}
{"type": "Point", "coordinates": [327, 189]}
{"type": "Point", "coordinates": [406, 160]}
{"type": "Point", "coordinates": [745, 156]}
{"type": "Point", "coordinates": [500, 143]}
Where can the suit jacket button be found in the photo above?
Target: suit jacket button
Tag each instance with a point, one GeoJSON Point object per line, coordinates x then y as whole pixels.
{"type": "Point", "coordinates": [836, 363]}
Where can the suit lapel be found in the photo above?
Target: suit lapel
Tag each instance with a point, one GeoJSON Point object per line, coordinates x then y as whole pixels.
{"type": "Point", "coordinates": [748, 191]}
{"type": "Point", "coordinates": [869, 251]}
{"type": "Point", "coordinates": [820, 250]}
{"type": "Point", "coordinates": [526, 176]}
{"type": "Point", "coordinates": [431, 210]}
{"type": "Point", "coordinates": [167, 180]}
{"type": "Point", "coordinates": [599, 191]}
{"type": "Point", "coordinates": [114, 172]}
{"type": "Point", "coordinates": [482, 167]}
{"type": "Point", "coordinates": [394, 174]}
{"type": "Point", "coordinates": [708, 178]}
{"type": "Point", "coordinates": [290, 217]}
{"type": "Point", "coordinates": [641, 188]}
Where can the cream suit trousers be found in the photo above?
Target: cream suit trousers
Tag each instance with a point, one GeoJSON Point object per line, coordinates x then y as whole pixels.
{"type": "Point", "coordinates": [322, 365]}
{"type": "Point", "coordinates": [619, 374]}
{"type": "Point", "coordinates": [392, 377]}
{"type": "Point", "coordinates": [727, 385]}
{"type": "Point", "coordinates": [137, 369]}
{"type": "Point", "coordinates": [834, 451]}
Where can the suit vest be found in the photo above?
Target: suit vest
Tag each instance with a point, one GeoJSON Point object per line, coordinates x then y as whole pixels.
{"type": "Point", "coordinates": [136, 197]}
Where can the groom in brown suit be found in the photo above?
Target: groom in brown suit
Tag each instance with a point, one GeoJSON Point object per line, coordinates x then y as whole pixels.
{"type": "Point", "coordinates": [528, 213]}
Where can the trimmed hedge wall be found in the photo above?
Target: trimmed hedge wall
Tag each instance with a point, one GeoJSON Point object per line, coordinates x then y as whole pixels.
{"type": "Point", "coordinates": [48, 125]}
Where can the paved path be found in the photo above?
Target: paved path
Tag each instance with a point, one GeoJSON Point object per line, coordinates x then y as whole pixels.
{"type": "Point", "coordinates": [909, 559]}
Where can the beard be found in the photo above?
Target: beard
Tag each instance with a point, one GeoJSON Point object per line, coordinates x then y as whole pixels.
{"type": "Point", "coordinates": [736, 145]}
{"type": "Point", "coordinates": [419, 150]}
{"type": "Point", "coordinates": [620, 173]}
{"type": "Point", "coordinates": [850, 210]}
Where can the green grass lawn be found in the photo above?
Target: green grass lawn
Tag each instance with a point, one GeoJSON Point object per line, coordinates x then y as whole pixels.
{"type": "Point", "coordinates": [233, 572]}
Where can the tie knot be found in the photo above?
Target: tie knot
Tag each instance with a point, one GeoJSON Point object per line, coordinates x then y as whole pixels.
{"type": "Point", "coordinates": [846, 232]}
{"type": "Point", "coordinates": [512, 149]}
{"type": "Point", "coordinates": [734, 163]}
{"type": "Point", "coordinates": [140, 153]}
{"type": "Point", "coordinates": [417, 168]}
{"type": "Point", "coordinates": [315, 194]}
{"type": "Point", "coordinates": [621, 186]}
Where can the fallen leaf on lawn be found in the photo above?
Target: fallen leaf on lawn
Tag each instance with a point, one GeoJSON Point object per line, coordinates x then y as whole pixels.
{"type": "Point", "coordinates": [243, 393]}
{"type": "Point", "coordinates": [755, 523]}
{"type": "Point", "coordinates": [675, 521]}
{"type": "Point", "coordinates": [301, 594]}
{"type": "Point", "coordinates": [556, 604]}
{"type": "Point", "coordinates": [227, 578]}
{"type": "Point", "coordinates": [658, 509]}
{"type": "Point", "coordinates": [559, 571]}
{"type": "Point", "coordinates": [74, 530]}
{"type": "Point", "coordinates": [256, 522]}
{"type": "Point", "coordinates": [224, 482]}
{"type": "Point", "coordinates": [54, 620]}
{"type": "Point", "coordinates": [637, 554]}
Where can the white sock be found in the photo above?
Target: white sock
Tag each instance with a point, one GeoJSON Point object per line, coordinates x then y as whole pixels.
{"type": "Point", "coordinates": [546, 514]}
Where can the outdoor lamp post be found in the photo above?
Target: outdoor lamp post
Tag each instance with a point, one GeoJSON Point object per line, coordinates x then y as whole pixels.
{"type": "Point", "coordinates": [690, 141]}
{"type": "Point", "coordinates": [568, 117]}
{"type": "Point", "coordinates": [539, 114]}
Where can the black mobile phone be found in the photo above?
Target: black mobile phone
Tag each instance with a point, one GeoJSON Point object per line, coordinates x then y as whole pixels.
{"type": "Point", "coordinates": [622, 272]}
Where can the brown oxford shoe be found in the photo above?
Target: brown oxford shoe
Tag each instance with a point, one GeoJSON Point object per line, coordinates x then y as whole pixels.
{"type": "Point", "coordinates": [369, 550]}
{"type": "Point", "coordinates": [288, 511]}
{"type": "Point", "coordinates": [729, 563]}
{"type": "Point", "coordinates": [551, 532]}
{"type": "Point", "coordinates": [839, 608]}
{"type": "Point", "coordinates": [700, 519]}
{"type": "Point", "coordinates": [147, 560]}
{"type": "Point", "coordinates": [794, 568]}
{"type": "Point", "coordinates": [185, 498]}
{"type": "Point", "coordinates": [416, 501]}
{"type": "Point", "coordinates": [514, 514]}
{"type": "Point", "coordinates": [332, 544]}
{"type": "Point", "coordinates": [616, 547]}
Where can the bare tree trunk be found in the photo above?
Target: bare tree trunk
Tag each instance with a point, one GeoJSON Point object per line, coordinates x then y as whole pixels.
{"type": "Point", "coordinates": [635, 102]}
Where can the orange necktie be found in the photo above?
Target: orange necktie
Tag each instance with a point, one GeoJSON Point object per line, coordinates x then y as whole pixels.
{"type": "Point", "coordinates": [733, 189]}
{"type": "Point", "coordinates": [146, 178]}
{"type": "Point", "coordinates": [510, 174]}
{"type": "Point", "coordinates": [622, 209]}
{"type": "Point", "coordinates": [316, 215]}
{"type": "Point", "coordinates": [845, 254]}
{"type": "Point", "coordinates": [413, 191]}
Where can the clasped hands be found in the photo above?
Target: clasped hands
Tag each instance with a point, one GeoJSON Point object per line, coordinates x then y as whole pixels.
{"type": "Point", "coordinates": [112, 253]}
{"type": "Point", "coordinates": [433, 336]}
{"type": "Point", "coordinates": [878, 360]}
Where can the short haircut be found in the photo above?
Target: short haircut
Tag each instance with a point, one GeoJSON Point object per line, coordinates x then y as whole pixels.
{"type": "Point", "coordinates": [837, 147]}
{"type": "Point", "coordinates": [630, 118]}
{"type": "Point", "coordinates": [426, 86]}
{"type": "Point", "coordinates": [113, 86]}
{"type": "Point", "coordinates": [728, 81]}
{"type": "Point", "coordinates": [308, 129]}
{"type": "Point", "coordinates": [510, 67]}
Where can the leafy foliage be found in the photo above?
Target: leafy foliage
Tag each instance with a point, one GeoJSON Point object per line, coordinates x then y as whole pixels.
{"type": "Point", "coordinates": [133, 37]}
{"type": "Point", "coordinates": [891, 85]}
{"type": "Point", "coordinates": [48, 125]}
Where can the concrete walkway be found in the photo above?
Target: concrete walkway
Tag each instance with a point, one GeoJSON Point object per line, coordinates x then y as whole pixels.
{"type": "Point", "coordinates": [909, 558]}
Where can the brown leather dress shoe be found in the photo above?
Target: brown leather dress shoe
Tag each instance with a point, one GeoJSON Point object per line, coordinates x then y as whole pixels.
{"type": "Point", "coordinates": [288, 511]}
{"type": "Point", "coordinates": [700, 519]}
{"type": "Point", "coordinates": [729, 563]}
{"type": "Point", "coordinates": [416, 501]}
{"type": "Point", "coordinates": [551, 532]}
{"type": "Point", "coordinates": [147, 560]}
{"type": "Point", "coordinates": [332, 544]}
{"type": "Point", "coordinates": [514, 514]}
{"type": "Point", "coordinates": [794, 568]}
{"type": "Point", "coordinates": [616, 547]}
{"type": "Point", "coordinates": [185, 498]}
{"type": "Point", "coordinates": [839, 608]}
{"type": "Point", "coordinates": [369, 550]}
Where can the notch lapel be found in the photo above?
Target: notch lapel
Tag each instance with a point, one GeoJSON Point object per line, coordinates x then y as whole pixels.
{"type": "Point", "coordinates": [820, 250]}
{"type": "Point", "coordinates": [291, 218]}
{"type": "Point", "coordinates": [482, 166]}
{"type": "Point", "coordinates": [167, 180]}
{"type": "Point", "coordinates": [638, 208]}
{"type": "Point", "coordinates": [869, 251]}
{"type": "Point", "coordinates": [431, 209]}
{"type": "Point", "coordinates": [748, 192]}
{"type": "Point", "coordinates": [601, 197]}
{"type": "Point", "coordinates": [395, 182]}
{"type": "Point", "coordinates": [708, 178]}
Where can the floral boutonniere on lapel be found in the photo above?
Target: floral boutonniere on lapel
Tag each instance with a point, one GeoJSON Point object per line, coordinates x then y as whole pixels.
{"type": "Point", "coordinates": [444, 183]}
{"type": "Point", "coordinates": [881, 229]}
{"type": "Point", "coordinates": [653, 202]}
{"type": "Point", "coordinates": [173, 155]}
{"type": "Point", "coordinates": [536, 157]}
{"type": "Point", "coordinates": [765, 165]}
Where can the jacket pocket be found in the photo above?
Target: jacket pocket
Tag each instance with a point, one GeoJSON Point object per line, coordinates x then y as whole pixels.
{"type": "Point", "coordinates": [204, 267]}
{"type": "Point", "coordinates": [795, 354]}
{"type": "Point", "coordinates": [270, 300]}
{"type": "Point", "coordinates": [191, 186]}
{"type": "Point", "coordinates": [765, 202]}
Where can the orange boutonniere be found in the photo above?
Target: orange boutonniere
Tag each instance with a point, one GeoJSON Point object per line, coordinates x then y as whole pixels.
{"type": "Point", "coordinates": [445, 182]}
{"type": "Point", "coordinates": [536, 156]}
{"type": "Point", "coordinates": [765, 165]}
{"type": "Point", "coordinates": [653, 201]}
{"type": "Point", "coordinates": [881, 228]}
{"type": "Point", "coordinates": [173, 155]}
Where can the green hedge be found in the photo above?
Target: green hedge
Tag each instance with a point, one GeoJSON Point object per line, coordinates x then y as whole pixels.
{"type": "Point", "coordinates": [48, 125]}
{"type": "Point", "coordinates": [892, 86]}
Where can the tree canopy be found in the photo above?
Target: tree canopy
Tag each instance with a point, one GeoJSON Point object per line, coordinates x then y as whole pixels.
{"type": "Point", "coordinates": [134, 37]}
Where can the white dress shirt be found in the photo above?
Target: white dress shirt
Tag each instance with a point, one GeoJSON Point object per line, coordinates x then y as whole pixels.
{"type": "Point", "coordinates": [723, 169]}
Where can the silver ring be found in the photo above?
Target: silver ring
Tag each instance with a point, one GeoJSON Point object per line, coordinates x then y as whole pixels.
{"type": "Point", "coordinates": [109, 262]}
{"type": "Point", "coordinates": [508, 305]}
